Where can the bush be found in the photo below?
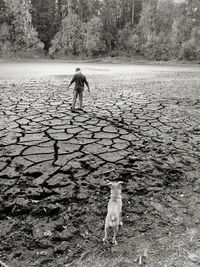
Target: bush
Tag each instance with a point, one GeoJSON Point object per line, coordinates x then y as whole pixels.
{"type": "Point", "coordinates": [17, 35]}
{"type": "Point", "coordinates": [93, 43]}
{"type": "Point", "coordinates": [5, 44]}
{"type": "Point", "coordinates": [69, 40]}
{"type": "Point", "coordinates": [157, 48]}
{"type": "Point", "coordinates": [132, 44]}
{"type": "Point", "coordinates": [190, 49]}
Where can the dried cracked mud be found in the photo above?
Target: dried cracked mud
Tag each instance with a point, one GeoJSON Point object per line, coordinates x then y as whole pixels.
{"type": "Point", "coordinates": [140, 128]}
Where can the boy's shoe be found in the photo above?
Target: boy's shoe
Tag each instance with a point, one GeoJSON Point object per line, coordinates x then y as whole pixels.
{"type": "Point", "coordinates": [73, 110]}
{"type": "Point", "coordinates": [81, 109]}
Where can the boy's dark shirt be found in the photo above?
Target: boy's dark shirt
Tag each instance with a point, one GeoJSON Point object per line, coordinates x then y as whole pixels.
{"type": "Point", "coordinates": [79, 80]}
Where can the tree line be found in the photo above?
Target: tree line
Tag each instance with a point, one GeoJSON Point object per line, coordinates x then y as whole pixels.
{"type": "Point", "coordinates": [153, 29]}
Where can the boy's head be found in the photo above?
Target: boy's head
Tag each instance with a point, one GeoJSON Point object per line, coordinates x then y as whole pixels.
{"type": "Point", "coordinates": [78, 70]}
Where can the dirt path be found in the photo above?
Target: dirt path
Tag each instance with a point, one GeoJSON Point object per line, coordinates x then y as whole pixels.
{"type": "Point", "coordinates": [53, 194]}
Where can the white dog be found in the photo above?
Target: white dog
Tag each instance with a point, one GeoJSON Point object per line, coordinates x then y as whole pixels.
{"type": "Point", "coordinates": [113, 218]}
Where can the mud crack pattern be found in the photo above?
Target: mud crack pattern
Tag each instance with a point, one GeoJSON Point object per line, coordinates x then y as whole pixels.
{"type": "Point", "coordinates": [53, 194]}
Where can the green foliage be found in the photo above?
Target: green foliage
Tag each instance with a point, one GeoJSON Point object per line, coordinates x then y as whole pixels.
{"type": "Point", "coordinates": [157, 47]}
{"type": "Point", "coordinates": [132, 43]}
{"type": "Point", "coordinates": [77, 38]}
{"type": "Point", "coordinates": [69, 40]}
{"type": "Point", "coordinates": [123, 37]}
{"type": "Point", "coordinates": [93, 43]}
{"type": "Point", "coordinates": [128, 40]}
{"type": "Point", "coordinates": [191, 49]}
{"type": "Point", "coordinates": [155, 29]}
{"type": "Point", "coordinates": [165, 29]}
{"type": "Point", "coordinates": [46, 16]}
{"type": "Point", "coordinates": [5, 43]}
{"type": "Point", "coordinates": [18, 33]}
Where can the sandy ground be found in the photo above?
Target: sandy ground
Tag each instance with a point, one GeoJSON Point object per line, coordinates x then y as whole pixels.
{"type": "Point", "coordinates": [22, 70]}
{"type": "Point", "coordinates": [142, 122]}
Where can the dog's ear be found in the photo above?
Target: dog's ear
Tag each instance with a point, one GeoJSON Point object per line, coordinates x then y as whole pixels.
{"type": "Point", "coordinates": [120, 183]}
{"type": "Point", "coordinates": [109, 183]}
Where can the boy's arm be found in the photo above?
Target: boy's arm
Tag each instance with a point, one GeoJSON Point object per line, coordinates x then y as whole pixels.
{"type": "Point", "coordinates": [72, 81]}
{"type": "Point", "coordinates": [87, 84]}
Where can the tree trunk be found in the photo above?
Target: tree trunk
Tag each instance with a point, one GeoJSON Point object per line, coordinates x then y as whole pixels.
{"type": "Point", "coordinates": [69, 7]}
{"type": "Point", "coordinates": [133, 12]}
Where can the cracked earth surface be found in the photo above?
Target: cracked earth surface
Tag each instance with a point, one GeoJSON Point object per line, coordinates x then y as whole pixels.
{"type": "Point", "coordinates": [54, 165]}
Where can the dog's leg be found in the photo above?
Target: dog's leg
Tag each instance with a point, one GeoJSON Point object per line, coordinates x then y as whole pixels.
{"type": "Point", "coordinates": [120, 219]}
{"type": "Point", "coordinates": [106, 233]}
{"type": "Point", "coordinates": [115, 234]}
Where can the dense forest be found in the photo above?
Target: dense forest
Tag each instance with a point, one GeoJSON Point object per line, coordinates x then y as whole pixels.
{"type": "Point", "coordinates": [151, 29]}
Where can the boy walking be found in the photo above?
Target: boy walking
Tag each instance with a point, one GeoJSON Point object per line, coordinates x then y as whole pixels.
{"type": "Point", "coordinates": [80, 80]}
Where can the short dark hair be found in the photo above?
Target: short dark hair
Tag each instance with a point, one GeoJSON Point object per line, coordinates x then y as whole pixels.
{"type": "Point", "coordinates": [78, 69]}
